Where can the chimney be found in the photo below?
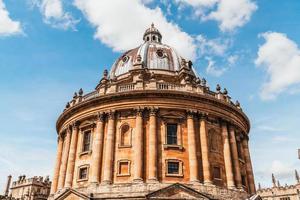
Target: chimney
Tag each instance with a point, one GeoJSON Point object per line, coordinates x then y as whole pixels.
{"type": "Point", "coordinates": [7, 186]}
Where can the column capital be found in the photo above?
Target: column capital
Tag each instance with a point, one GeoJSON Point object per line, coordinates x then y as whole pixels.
{"type": "Point", "coordinates": [153, 111]}
{"type": "Point", "coordinates": [75, 125]}
{"type": "Point", "coordinates": [223, 121]}
{"type": "Point", "coordinates": [111, 114]}
{"type": "Point", "coordinates": [59, 137]}
{"type": "Point", "coordinates": [100, 116]}
{"type": "Point", "coordinates": [203, 116]}
{"type": "Point", "coordinates": [232, 127]}
{"type": "Point", "coordinates": [139, 111]}
{"type": "Point", "coordinates": [190, 113]}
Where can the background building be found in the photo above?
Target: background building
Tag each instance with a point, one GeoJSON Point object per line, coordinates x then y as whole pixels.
{"type": "Point", "coordinates": [36, 188]}
{"type": "Point", "coordinates": [281, 192]}
{"type": "Point", "coordinates": [152, 129]}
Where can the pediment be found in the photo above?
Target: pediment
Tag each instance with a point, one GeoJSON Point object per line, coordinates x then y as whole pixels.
{"type": "Point", "coordinates": [177, 191]}
{"type": "Point", "coordinates": [71, 194]}
{"type": "Point", "coordinates": [172, 114]}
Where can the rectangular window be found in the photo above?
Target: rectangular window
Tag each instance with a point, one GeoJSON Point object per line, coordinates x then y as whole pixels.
{"type": "Point", "coordinates": [83, 173]}
{"type": "Point", "coordinates": [173, 167]}
{"type": "Point", "coordinates": [86, 141]}
{"type": "Point", "coordinates": [124, 168]}
{"type": "Point", "coordinates": [239, 148]}
{"type": "Point", "coordinates": [172, 134]}
{"type": "Point", "coordinates": [217, 173]}
{"type": "Point", "coordinates": [243, 180]}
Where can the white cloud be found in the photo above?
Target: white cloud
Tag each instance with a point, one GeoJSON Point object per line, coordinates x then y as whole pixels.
{"type": "Point", "coordinates": [214, 70]}
{"type": "Point", "coordinates": [230, 14]}
{"type": "Point", "coordinates": [214, 46]}
{"type": "Point", "coordinates": [281, 139]}
{"type": "Point", "coordinates": [121, 24]}
{"type": "Point", "coordinates": [281, 170]}
{"type": "Point", "coordinates": [280, 57]}
{"type": "Point", "coordinates": [232, 59]}
{"type": "Point", "coordinates": [55, 15]}
{"type": "Point", "coordinates": [7, 25]}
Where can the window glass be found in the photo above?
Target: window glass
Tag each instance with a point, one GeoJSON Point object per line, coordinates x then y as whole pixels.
{"type": "Point", "coordinates": [83, 173]}
{"type": "Point", "coordinates": [125, 135]}
{"type": "Point", "coordinates": [243, 180]}
{"type": "Point", "coordinates": [217, 172]}
{"type": "Point", "coordinates": [86, 141]}
{"type": "Point", "coordinates": [171, 133]}
{"type": "Point", "coordinates": [173, 167]}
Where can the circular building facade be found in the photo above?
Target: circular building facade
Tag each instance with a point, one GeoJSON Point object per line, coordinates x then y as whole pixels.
{"type": "Point", "coordinates": [152, 129]}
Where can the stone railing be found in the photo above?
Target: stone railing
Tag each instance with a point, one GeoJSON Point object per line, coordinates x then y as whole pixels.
{"type": "Point", "coordinates": [169, 86]}
{"type": "Point", "coordinates": [126, 87]}
{"type": "Point", "coordinates": [115, 88]}
{"type": "Point", "coordinates": [90, 95]}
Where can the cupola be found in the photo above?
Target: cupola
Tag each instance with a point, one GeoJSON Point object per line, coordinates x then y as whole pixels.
{"type": "Point", "coordinates": [152, 34]}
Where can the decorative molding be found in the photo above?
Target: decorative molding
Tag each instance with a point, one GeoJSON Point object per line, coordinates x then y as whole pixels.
{"type": "Point", "coordinates": [153, 111]}
{"type": "Point", "coordinates": [101, 116]}
{"type": "Point", "coordinates": [111, 114]}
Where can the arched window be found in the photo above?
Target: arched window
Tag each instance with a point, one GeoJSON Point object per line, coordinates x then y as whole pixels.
{"type": "Point", "coordinates": [153, 38]}
{"type": "Point", "coordinates": [125, 135]}
{"type": "Point", "coordinates": [215, 140]}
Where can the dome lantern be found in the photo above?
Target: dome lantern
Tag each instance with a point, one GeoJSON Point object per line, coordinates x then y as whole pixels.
{"type": "Point", "coordinates": [152, 34]}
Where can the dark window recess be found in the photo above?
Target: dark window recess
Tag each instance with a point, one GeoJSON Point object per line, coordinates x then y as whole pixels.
{"type": "Point", "coordinates": [239, 148]}
{"type": "Point", "coordinates": [217, 172]}
{"type": "Point", "coordinates": [243, 180]}
{"type": "Point", "coordinates": [86, 141]}
{"type": "Point", "coordinates": [83, 173]}
{"type": "Point", "coordinates": [173, 167]}
{"type": "Point", "coordinates": [171, 133]}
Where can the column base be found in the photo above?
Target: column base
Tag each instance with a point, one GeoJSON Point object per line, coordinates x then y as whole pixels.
{"type": "Point", "coordinates": [137, 180]}
{"type": "Point", "coordinates": [106, 182]}
{"type": "Point", "coordinates": [195, 182]}
{"type": "Point", "coordinates": [209, 183]}
{"type": "Point", "coordinates": [231, 187]}
{"type": "Point", "coordinates": [152, 180]}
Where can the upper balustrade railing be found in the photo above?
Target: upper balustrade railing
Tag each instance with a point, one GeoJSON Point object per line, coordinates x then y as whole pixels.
{"type": "Point", "coordinates": [119, 88]}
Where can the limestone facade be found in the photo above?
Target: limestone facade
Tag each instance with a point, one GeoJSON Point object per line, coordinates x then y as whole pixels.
{"type": "Point", "coordinates": [152, 123]}
{"type": "Point", "coordinates": [35, 188]}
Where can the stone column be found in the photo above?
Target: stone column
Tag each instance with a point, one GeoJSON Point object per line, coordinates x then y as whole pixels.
{"type": "Point", "coordinates": [205, 152]}
{"type": "Point", "coordinates": [72, 156]}
{"type": "Point", "coordinates": [227, 157]}
{"type": "Point", "coordinates": [152, 152]}
{"type": "Point", "coordinates": [235, 158]}
{"type": "Point", "coordinates": [57, 165]}
{"type": "Point", "coordinates": [109, 149]}
{"type": "Point", "coordinates": [193, 162]}
{"type": "Point", "coordinates": [64, 161]}
{"type": "Point", "coordinates": [97, 149]}
{"type": "Point", "coordinates": [250, 176]}
{"type": "Point", "coordinates": [138, 147]}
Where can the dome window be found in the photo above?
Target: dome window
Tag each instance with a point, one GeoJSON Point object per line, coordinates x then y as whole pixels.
{"type": "Point", "coordinates": [160, 53]}
{"type": "Point", "coordinates": [125, 58]}
{"type": "Point", "coordinates": [153, 38]}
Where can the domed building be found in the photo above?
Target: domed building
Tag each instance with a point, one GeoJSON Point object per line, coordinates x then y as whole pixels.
{"type": "Point", "coordinates": [152, 129]}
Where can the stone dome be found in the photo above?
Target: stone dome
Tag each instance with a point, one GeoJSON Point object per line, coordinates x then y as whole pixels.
{"type": "Point", "coordinates": [152, 53]}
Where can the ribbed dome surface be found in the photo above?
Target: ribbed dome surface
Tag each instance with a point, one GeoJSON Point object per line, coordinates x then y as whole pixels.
{"type": "Point", "coordinates": [154, 55]}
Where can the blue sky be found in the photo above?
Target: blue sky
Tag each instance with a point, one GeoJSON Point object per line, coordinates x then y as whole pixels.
{"type": "Point", "coordinates": [51, 48]}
